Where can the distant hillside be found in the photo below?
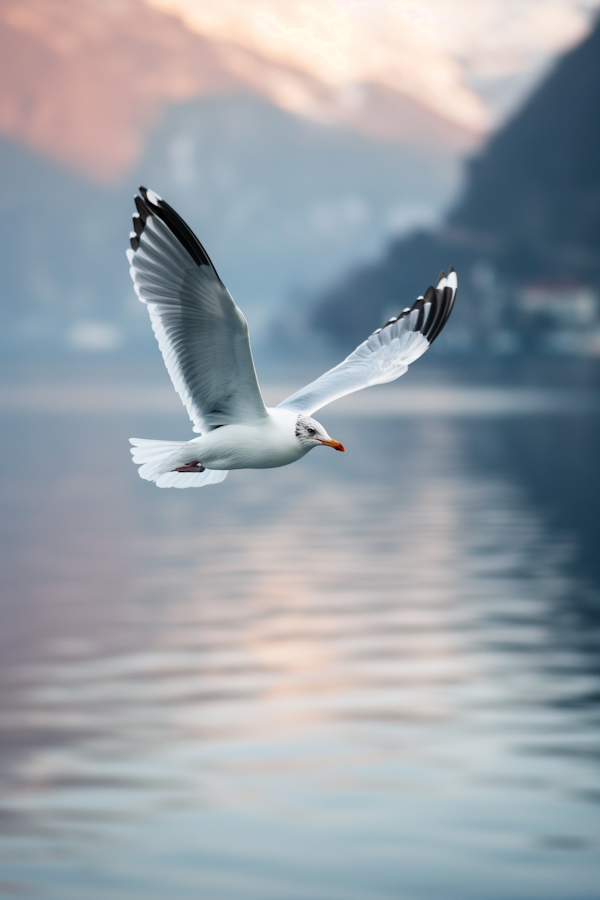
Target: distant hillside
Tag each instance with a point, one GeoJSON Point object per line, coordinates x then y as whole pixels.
{"type": "Point", "coordinates": [266, 192]}
{"type": "Point", "coordinates": [530, 209]}
{"type": "Point", "coordinates": [83, 82]}
{"type": "Point", "coordinates": [61, 250]}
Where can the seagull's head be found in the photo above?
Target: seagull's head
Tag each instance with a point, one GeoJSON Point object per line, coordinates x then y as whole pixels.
{"type": "Point", "coordinates": [311, 434]}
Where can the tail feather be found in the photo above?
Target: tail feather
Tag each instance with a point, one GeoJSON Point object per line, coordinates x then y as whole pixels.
{"type": "Point", "coordinates": [157, 459]}
{"type": "Point", "coordinates": [191, 479]}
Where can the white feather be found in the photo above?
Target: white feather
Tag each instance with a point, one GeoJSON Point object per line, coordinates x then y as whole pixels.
{"type": "Point", "coordinates": [202, 334]}
{"type": "Point", "coordinates": [203, 337]}
{"type": "Point", "coordinates": [383, 357]}
{"type": "Point", "coordinates": [157, 459]}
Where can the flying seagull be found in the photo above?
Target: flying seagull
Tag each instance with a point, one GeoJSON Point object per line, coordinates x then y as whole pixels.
{"type": "Point", "coordinates": [204, 340]}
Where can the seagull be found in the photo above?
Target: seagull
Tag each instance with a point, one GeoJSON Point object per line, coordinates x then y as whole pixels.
{"type": "Point", "coordinates": [205, 344]}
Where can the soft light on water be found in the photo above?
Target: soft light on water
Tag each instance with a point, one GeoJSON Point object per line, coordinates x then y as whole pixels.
{"type": "Point", "coordinates": [363, 676]}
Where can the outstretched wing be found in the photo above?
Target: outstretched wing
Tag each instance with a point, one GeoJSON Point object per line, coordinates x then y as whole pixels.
{"type": "Point", "coordinates": [202, 335]}
{"type": "Point", "coordinates": [387, 354]}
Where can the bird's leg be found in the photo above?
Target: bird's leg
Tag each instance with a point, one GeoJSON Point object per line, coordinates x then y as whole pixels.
{"type": "Point", "coordinates": [194, 466]}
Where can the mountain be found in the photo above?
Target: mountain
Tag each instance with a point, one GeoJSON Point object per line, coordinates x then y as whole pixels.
{"type": "Point", "coordinates": [534, 194]}
{"type": "Point", "coordinates": [61, 250]}
{"type": "Point", "coordinates": [530, 211]}
{"type": "Point", "coordinates": [285, 204]}
{"type": "Point", "coordinates": [84, 82]}
{"type": "Point", "coordinates": [282, 203]}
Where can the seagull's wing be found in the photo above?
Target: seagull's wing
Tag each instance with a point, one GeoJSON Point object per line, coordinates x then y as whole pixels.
{"type": "Point", "coordinates": [387, 354]}
{"type": "Point", "coordinates": [202, 334]}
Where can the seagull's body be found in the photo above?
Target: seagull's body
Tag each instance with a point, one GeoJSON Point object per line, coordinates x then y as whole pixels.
{"type": "Point", "coordinates": [267, 444]}
{"type": "Point", "coordinates": [204, 340]}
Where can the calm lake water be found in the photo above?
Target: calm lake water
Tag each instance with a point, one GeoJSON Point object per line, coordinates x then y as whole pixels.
{"type": "Point", "coordinates": [360, 677]}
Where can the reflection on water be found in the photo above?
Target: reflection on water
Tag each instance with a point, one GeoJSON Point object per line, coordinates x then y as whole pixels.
{"type": "Point", "coordinates": [370, 676]}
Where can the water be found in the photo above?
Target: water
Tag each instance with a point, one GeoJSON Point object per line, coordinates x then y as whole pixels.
{"type": "Point", "coordinates": [363, 676]}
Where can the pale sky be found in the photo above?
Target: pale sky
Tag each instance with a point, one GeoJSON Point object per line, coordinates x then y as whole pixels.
{"type": "Point", "coordinates": [83, 80]}
{"type": "Point", "coordinates": [470, 60]}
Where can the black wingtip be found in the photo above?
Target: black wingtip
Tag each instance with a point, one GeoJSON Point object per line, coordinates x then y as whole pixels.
{"type": "Point", "coordinates": [446, 304]}
{"type": "Point", "coordinates": [150, 204]}
{"type": "Point", "coordinates": [143, 211]}
{"type": "Point", "coordinates": [440, 303]}
{"type": "Point", "coordinates": [138, 225]}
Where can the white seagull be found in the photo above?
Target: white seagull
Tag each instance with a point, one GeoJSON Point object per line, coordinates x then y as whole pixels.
{"type": "Point", "coordinates": [204, 340]}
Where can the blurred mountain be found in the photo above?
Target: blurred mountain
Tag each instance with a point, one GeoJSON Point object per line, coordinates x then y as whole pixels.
{"type": "Point", "coordinates": [61, 251]}
{"type": "Point", "coordinates": [529, 213]}
{"type": "Point", "coordinates": [83, 82]}
{"type": "Point", "coordinates": [282, 203]}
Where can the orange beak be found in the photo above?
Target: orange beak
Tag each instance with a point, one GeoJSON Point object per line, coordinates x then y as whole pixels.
{"type": "Point", "coordinates": [335, 444]}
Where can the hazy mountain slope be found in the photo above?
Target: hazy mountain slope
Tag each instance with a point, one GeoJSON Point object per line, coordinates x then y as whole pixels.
{"type": "Point", "coordinates": [530, 208]}
{"type": "Point", "coordinates": [282, 204]}
{"type": "Point", "coordinates": [535, 190]}
{"type": "Point", "coordinates": [83, 82]}
{"type": "Point", "coordinates": [61, 249]}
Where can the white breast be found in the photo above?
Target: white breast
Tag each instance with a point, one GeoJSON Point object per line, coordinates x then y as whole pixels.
{"type": "Point", "coordinates": [268, 444]}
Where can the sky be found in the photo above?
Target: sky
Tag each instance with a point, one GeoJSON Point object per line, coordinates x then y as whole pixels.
{"type": "Point", "coordinates": [83, 81]}
{"type": "Point", "coordinates": [469, 60]}
{"type": "Point", "coordinates": [407, 89]}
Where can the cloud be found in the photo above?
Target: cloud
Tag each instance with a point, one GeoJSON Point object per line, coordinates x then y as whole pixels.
{"type": "Point", "coordinates": [83, 81]}
{"type": "Point", "coordinates": [438, 52]}
{"type": "Point", "coordinates": [95, 336]}
{"type": "Point", "coordinates": [332, 45]}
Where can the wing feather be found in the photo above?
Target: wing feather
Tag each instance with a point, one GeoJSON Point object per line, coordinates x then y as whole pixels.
{"type": "Point", "coordinates": [386, 354]}
{"type": "Point", "coordinates": [202, 334]}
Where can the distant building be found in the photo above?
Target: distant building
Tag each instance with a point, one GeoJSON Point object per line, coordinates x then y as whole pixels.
{"type": "Point", "coordinates": [564, 315]}
{"type": "Point", "coordinates": [566, 303]}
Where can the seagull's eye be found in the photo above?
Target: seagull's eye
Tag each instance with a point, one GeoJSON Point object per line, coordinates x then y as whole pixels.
{"type": "Point", "coordinates": [311, 431]}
